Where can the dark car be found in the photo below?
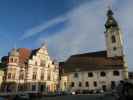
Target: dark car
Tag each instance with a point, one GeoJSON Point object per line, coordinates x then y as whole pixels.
{"type": "Point", "coordinates": [2, 98]}
{"type": "Point", "coordinates": [22, 97]}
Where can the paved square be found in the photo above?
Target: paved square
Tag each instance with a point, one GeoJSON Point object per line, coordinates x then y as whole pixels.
{"type": "Point", "coordinates": [78, 97]}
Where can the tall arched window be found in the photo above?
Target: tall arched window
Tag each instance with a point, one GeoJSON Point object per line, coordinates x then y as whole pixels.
{"type": "Point", "coordinates": [34, 75]}
{"type": "Point", "coordinates": [113, 39]}
{"type": "Point", "coordinates": [9, 76]}
{"type": "Point", "coordinates": [87, 84]}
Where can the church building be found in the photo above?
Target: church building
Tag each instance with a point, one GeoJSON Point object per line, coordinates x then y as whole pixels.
{"type": "Point", "coordinates": [97, 70]}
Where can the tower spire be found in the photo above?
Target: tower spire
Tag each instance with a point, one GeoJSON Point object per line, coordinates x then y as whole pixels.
{"type": "Point", "coordinates": [114, 40]}
{"type": "Point", "coordinates": [111, 22]}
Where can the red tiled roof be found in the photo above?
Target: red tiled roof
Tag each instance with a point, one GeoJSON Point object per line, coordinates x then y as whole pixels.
{"type": "Point", "coordinates": [24, 54]}
{"type": "Point", "coordinates": [91, 61]}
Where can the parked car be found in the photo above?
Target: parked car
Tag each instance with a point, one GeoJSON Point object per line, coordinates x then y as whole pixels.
{"type": "Point", "coordinates": [2, 98]}
{"type": "Point", "coordinates": [22, 97]}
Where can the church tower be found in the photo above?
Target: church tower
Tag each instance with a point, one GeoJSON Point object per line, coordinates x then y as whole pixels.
{"type": "Point", "coordinates": [114, 40]}
{"type": "Point", "coordinates": [113, 36]}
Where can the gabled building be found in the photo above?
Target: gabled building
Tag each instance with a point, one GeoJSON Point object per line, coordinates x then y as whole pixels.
{"type": "Point", "coordinates": [97, 70]}
{"type": "Point", "coordinates": [30, 71]}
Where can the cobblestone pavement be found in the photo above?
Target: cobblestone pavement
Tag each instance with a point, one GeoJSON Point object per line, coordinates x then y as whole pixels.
{"type": "Point", "coordinates": [78, 97]}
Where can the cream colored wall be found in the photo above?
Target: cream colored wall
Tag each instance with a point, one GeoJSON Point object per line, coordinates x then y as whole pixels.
{"type": "Point", "coordinates": [118, 44]}
{"type": "Point", "coordinates": [1, 76]}
{"type": "Point", "coordinates": [83, 77]}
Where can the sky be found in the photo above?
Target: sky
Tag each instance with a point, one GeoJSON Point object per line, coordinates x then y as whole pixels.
{"type": "Point", "coordinates": [67, 26]}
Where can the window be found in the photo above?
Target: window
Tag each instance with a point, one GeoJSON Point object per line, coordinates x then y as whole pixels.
{"type": "Point", "coordinates": [95, 84]}
{"type": "Point", "coordinates": [116, 73]}
{"type": "Point", "coordinates": [113, 84]}
{"type": "Point", "coordinates": [48, 66]}
{"type": "Point", "coordinates": [65, 84]}
{"type": "Point", "coordinates": [42, 63]}
{"type": "Point", "coordinates": [11, 60]}
{"type": "Point", "coordinates": [113, 39]}
{"type": "Point", "coordinates": [114, 48]}
{"type": "Point", "coordinates": [87, 84]}
{"type": "Point", "coordinates": [103, 74]}
{"type": "Point", "coordinates": [33, 87]}
{"type": "Point", "coordinates": [34, 76]}
{"type": "Point", "coordinates": [21, 77]}
{"type": "Point", "coordinates": [80, 84]}
{"type": "Point", "coordinates": [15, 60]}
{"type": "Point", "coordinates": [75, 75]}
{"type": "Point", "coordinates": [36, 63]}
{"type": "Point", "coordinates": [9, 76]}
{"type": "Point", "coordinates": [49, 78]}
{"type": "Point", "coordinates": [13, 76]}
{"type": "Point", "coordinates": [42, 76]}
{"type": "Point", "coordinates": [72, 84]}
{"type": "Point", "coordinates": [90, 74]}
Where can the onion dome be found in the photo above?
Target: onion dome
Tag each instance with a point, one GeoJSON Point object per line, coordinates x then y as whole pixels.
{"type": "Point", "coordinates": [111, 22]}
{"type": "Point", "coordinates": [14, 52]}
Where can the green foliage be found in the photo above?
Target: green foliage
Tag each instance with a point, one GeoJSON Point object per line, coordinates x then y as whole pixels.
{"type": "Point", "coordinates": [2, 66]}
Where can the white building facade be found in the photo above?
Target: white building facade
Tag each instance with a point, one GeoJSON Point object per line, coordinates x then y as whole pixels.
{"type": "Point", "coordinates": [31, 71]}
{"type": "Point", "coordinates": [91, 80]}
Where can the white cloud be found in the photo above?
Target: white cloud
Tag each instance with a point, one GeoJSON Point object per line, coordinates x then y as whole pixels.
{"type": "Point", "coordinates": [43, 27]}
{"type": "Point", "coordinates": [84, 30]}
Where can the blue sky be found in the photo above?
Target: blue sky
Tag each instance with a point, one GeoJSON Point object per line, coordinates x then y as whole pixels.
{"type": "Point", "coordinates": [67, 26]}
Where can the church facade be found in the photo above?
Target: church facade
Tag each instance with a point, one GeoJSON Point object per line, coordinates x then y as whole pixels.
{"type": "Point", "coordinates": [97, 70]}
{"type": "Point", "coordinates": [30, 71]}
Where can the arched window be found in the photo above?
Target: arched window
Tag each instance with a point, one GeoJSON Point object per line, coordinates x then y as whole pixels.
{"type": "Point", "coordinates": [87, 84]}
{"type": "Point", "coordinates": [36, 63]}
{"type": "Point", "coordinates": [95, 84]}
{"type": "Point", "coordinates": [9, 76]}
{"type": "Point", "coordinates": [80, 84]}
{"type": "Point", "coordinates": [13, 76]}
{"type": "Point", "coordinates": [114, 48]}
{"type": "Point", "coordinates": [76, 75]}
{"type": "Point", "coordinates": [16, 60]}
{"type": "Point", "coordinates": [72, 84]}
{"type": "Point", "coordinates": [103, 74]}
{"type": "Point", "coordinates": [34, 75]}
{"type": "Point", "coordinates": [90, 74]}
{"type": "Point", "coordinates": [113, 39]}
{"type": "Point", "coordinates": [11, 60]}
{"type": "Point", "coordinates": [21, 76]}
{"type": "Point", "coordinates": [42, 76]}
{"type": "Point", "coordinates": [116, 73]}
{"type": "Point", "coordinates": [48, 77]}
